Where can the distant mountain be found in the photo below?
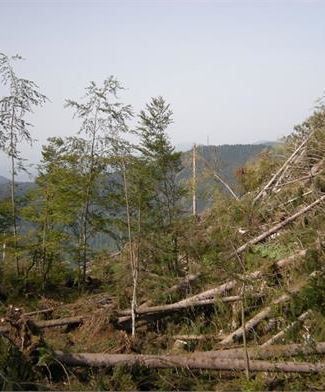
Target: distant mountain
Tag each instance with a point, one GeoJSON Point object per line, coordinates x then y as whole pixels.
{"type": "Point", "coordinates": [225, 160]}
{"type": "Point", "coordinates": [266, 143]}
{"type": "Point", "coordinates": [21, 187]}
{"type": "Point", "coordinates": [183, 147]}
{"type": "Point", "coordinates": [3, 180]}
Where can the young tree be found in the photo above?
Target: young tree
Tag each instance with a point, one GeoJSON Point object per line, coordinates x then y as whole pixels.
{"type": "Point", "coordinates": [103, 120]}
{"type": "Point", "coordinates": [162, 165]}
{"type": "Point", "coordinates": [23, 96]}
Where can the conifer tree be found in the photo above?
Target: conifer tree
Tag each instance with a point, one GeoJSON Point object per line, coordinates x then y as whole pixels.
{"type": "Point", "coordinates": [162, 164]}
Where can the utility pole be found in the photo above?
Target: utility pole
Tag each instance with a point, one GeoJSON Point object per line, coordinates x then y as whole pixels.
{"type": "Point", "coordinates": [194, 180]}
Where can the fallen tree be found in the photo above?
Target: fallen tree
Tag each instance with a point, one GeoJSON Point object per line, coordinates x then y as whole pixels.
{"type": "Point", "coordinates": [182, 285]}
{"type": "Point", "coordinates": [282, 333]}
{"type": "Point", "coordinates": [187, 361]}
{"type": "Point", "coordinates": [282, 168]}
{"type": "Point", "coordinates": [223, 288]}
{"type": "Point", "coordinates": [250, 324]}
{"type": "Point", "coordinates": [277, 227]}
{"type": "Point", "coordinates": [175, 307]}
{"type": "Point", "coordinates": [268, 352]}
{"type": "Point", "coordinates": [52, 323]}
{"type": "Point", "coordinates": [204, 297]}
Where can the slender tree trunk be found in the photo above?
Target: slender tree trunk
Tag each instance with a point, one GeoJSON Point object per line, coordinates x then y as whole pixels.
{"type": "Point", "coordinates": [133, 259]}
{"type": "Point", "coordinates": [44, 250]}
{"type": "Point", "coordinates": [12, 192]}
{"type": "Point", "coordinates": [194, 180]}
{"type": "Point", "coordinates": [227, 186]}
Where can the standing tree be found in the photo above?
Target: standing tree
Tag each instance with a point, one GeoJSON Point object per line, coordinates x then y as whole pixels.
{"type": "Point", "coordinates": [162, 164]}
{"type": "Point", "coordinates": [103, 120]}
{"type": "Point", "coordinates": [23, 96]}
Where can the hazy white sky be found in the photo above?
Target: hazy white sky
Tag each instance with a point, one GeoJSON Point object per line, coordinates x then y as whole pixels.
{"type": "Point", "coordinates": [236, 71]}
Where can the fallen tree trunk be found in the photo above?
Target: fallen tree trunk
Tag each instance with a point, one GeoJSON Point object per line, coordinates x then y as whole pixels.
{"type": "Point", "coordinates": [275, 351]}
{"type": "Point", "coordinates": [283, 167]}
{"type": "Point", "coordinates": [282, 333]}
{"type": "Point", "coordinates": [294, 162]}
{"type": "Point", "coordinates": [250, 324]}
{"type": "Point", "coordinates": [277, 227]}
{"type": "Point", "coordinates": [162, 309]}
{"type": "Point", "coordinates": [230, 190]}
{"type": "Point", "coordinates": [37, 312]}
{"type": "Point", "coordinates": [183, 284]}
{"type": "Point", "coordinates": [220, 290]}
{"type": "Point", "coordinates": [52, 323]}
{"type": "Point", "coordinates": [192, 361]}
{"type": "Point", "coordinates": [199, 337]}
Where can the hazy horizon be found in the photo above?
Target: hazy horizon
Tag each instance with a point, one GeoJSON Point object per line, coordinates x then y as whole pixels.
{"type": "Point", "coordinates": [233, 71]}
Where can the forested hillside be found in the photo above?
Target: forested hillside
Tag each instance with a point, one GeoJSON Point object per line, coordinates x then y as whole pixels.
{"type": "Point", "coordinates": [231, 298]}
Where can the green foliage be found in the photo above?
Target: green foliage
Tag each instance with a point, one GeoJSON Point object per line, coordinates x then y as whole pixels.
{"type": "Point", "coordinates": [312, 260]}
{"type": "Point", "coordinates": [16, 372]}
{"type": "Point", "coordinates": [275, 251]}
{"type": "Point", "coordinates": [312, 296]}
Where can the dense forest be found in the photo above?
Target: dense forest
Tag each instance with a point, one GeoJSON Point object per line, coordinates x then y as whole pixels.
{"type": "Point", "coordinates": [213, 275]}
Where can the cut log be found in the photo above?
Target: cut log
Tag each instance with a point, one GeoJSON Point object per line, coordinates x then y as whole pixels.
{"type": "Point", "coordinates": [282, 333]}
{"type": "Point", "coordinates": [191, 361]}
{"type": "Point", "coordinates": [277, 227]}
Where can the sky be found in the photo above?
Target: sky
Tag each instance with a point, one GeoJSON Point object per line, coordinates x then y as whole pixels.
{"type": "Point", "coordinates": [232, 71]}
